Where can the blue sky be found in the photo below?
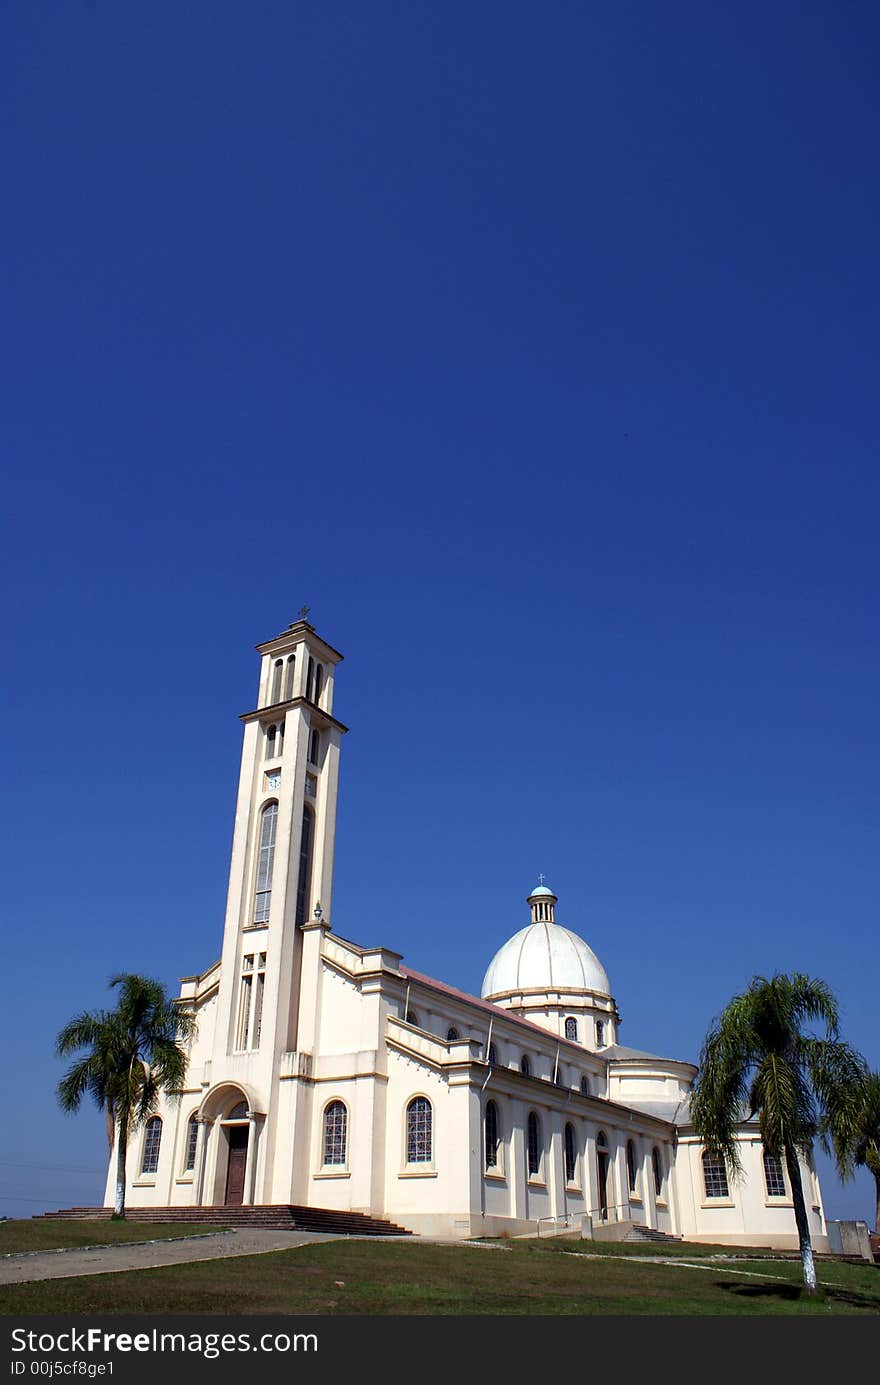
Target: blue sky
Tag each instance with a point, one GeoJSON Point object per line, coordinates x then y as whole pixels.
{"type": "Point", "coordinates": [535, 349]}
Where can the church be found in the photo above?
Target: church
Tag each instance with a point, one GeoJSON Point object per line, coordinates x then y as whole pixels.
{"type": "Point", "coordinates": [327, 1073]}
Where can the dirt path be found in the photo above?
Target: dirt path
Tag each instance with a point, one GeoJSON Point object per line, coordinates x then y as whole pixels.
{"type": "Point", "coordinates": [144, 1255]}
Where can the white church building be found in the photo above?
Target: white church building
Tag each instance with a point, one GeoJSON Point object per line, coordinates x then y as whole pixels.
{"type": "Point", "coordinates": [328, 1074]}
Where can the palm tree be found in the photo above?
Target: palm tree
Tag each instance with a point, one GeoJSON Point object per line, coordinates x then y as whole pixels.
{"type": "Point", "coordinates": [133, 1056]}
{"type": "Point", "coordinates": [857, 1145]}
{"type": "Point", "coordinates": [758, 1061]}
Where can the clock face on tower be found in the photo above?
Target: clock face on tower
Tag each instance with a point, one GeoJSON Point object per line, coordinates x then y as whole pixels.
{"type": "Point", "coordinates": [273, 779]}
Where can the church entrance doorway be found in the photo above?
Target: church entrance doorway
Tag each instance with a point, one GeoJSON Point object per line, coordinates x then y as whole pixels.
{"type": "Point", "coordinates": [604, 1167]}
{"type": "Point", "coordinates": [603, 1185]}
{"type": "Point", "coordinates": [237, 1136]}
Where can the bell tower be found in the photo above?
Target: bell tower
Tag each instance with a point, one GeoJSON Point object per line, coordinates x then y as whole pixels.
{"type": "Point", "coordinates": [281, 871]}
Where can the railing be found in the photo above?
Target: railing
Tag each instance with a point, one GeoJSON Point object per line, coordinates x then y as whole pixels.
{"type": "Point", "coordinates": [609, 1213]}
{"type": "Point", "coordinates": [577, 1221]}
{"type": "Point", "coordinates": [569, 1221]}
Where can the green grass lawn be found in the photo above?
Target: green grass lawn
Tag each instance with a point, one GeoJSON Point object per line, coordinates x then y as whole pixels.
{"type": "Point", "coordinates": [18, 1236]}
{"type": "Point", "coordinates": [385, 1277]}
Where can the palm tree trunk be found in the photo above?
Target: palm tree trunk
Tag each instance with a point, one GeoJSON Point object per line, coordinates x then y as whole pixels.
{"type": "Point", "coordinates": [800, 1216]}
{"type": "Point", "coordinates": [121, 1151]}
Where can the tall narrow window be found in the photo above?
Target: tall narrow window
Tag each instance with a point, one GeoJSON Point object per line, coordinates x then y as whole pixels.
{"type": "Point", "coordinates": [335, 1133]}
{"type": "Point", "coordinates": [192, 1144]}
{"type": "Point", "coordinates": [265, 862]}
{"type": "Point", "coordinates": [525, 1065]}
{"type": "Point", "coordinates": [271, 737]}
{"type": "Point", "coordinates": [152, 1140]}
{"type": "Point", "coordinates": [570, 1154]}
{"type": "Point", "coordinates": [310, 680]}
{"type": "Point", "coordinates": [276, 680]}
{"type": "Point", "coordinates": [492, 1056]}
{"type": "Point", "coordinates": [452, 1036]}
{"type": "Point", "coordinates": [319, 682]}
{"type": "Point", "coordinates": [314, 746]}
{"type": "Point", "coordinates": [657, 1166]}
{"type": "Point", "coordinates": [533, 1144]}
{"type": "Point", "coordinates": [419, 1134]}
{"type": "Point", "coordinates": [631, 1166]}
{"type": "Point", "coordinates": [259, 989]}
{"type": "Point", "coordinates": [714, 1176]}
{"type": "Point", "coordinates": [245, 997]}
{"type": "Point", "coordinates": [571, 1029]}
{"type": "Point", "coordinates": [600, 1033]}
{"type": "Point", "coordinates": [491, 1124]}
{"type": "Point", "coordinates": [305, 867]}
{"type": "Point", "coordinates": [585, 1086]}
{"type": "Point", "coordinates": [289, 677]}
{"type": "Point", "coordinates": [773, 1176]}
{"type": "Point", "coordinates": [279, 749]}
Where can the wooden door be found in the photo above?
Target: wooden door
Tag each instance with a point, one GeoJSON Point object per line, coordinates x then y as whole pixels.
{"type": "Point", "coordinates": [238, 1144]}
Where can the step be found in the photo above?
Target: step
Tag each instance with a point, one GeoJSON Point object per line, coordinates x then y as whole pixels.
{"type": "Point", "coordinates": [283, 1217]}
{"type": "Point", "coordinates": [650, 1233]}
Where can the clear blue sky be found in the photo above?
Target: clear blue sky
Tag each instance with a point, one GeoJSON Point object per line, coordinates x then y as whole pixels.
{"type": "Point", "coordinates": [535, 347]}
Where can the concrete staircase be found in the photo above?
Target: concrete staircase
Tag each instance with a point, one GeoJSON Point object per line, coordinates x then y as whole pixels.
{"type": "Point", "coordinates": [267, 1217]}
{"type": "Point", "coordinates": [638, 1232]}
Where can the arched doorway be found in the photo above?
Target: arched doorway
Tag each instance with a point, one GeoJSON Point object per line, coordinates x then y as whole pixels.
{"type": "Point", "coordinates": [228, 1164]}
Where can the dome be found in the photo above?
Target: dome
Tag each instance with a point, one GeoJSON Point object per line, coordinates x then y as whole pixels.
{"type": "Point", "coordinates": [545, 957]}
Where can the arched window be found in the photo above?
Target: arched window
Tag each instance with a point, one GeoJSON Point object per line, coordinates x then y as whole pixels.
{"type": "Point", "coordinates": [314, 746]}
{"type": "Point", "coordinates": [525, 1065]}
{"type": "Point", "coordinates": [238, 1112]}
{"type": "Point", "coordinates": [280, 746]}
{"type": "Point", "coordinates": [319, 681]}
{"type": "Point", "coordinates": [335, 1132]}
{"type": "Point", "coordinates": [152, 1141]}
{"type": "Point", "coordinates": [310, 680]}
{"type": "Point", "coordinates": [570, 1154]}
{"type": "Point", "coordinates": [533, 1143]}
{"type": "Point", "coordinates": [270, 743]}
{"type": "Point", "coordinates": [289, 677]}
{"type": "Point", "coordinates": [600, 1033]}
{"type": "Point", "coordinates": [714, 1176]}
{"type": "Point", "coordinates": [265, 862]}
{"type": "Point", "coordinates": [774, 1180]}
{"type": "Point", "coordinates": [418, 1131]}
{"type": "Point", "coordinates": [492, 1056]}
{"type": "Point", "coordinates": [585, 1086]}
{"type": "Point", "coordinates": [412, 1018]}
{"type": "Point", "coordinates": [305, 866]}
{"type": "Point", "coordinates": [192, 1144]}
{"type": "Point", "coordinates": [571, 1028]}
{"type": "Point", "coordinates": [452, 1036]}
{"type": "Point", "coordinates": [276, 680]}
{"type": "Point", "coordinates": [657, 1166]}
{"type": "Point", "coordinates": [631, 1166]}
{"type": "Point", "coordinates": [492, 1141]}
